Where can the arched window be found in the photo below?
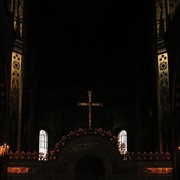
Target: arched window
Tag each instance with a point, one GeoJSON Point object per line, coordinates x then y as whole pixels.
{"type": "Point", "coordinates": [43, 145]}
{"type": "Point", "coordinates": [122, 142]}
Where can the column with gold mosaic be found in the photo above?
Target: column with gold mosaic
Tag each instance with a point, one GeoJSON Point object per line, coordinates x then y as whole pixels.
{"type": "Point", "coordinates": [162, 72]}
{"type": "Point", "coordinates": [17, 67]}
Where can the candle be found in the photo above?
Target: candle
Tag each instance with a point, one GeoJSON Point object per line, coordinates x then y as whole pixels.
{"type": "Point", "coordinates": [7, 149]}
{"type": "Point", "coordinates": [1, 152]}
{"type": "Point", "coordinates": [4, 149]}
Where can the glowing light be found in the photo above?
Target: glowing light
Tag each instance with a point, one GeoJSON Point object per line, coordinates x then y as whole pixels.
{"type": "Point", "coordinates": [18, 170]}
{"type": "Point", "coordinates": [158, 170]}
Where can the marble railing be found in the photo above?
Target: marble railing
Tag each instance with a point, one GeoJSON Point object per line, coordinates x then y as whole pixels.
{"type": "Point", "coordinates": [130, 156]}
{"type": "Point", "coordinates": [157, 156]}
{"type": "Point", "coordinates": [52, 155]}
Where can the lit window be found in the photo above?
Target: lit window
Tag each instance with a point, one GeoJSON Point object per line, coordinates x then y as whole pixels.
{"type": "Point", "coordinates": [43, 145]}
{"type": "Point", "coordinates": [122, 142]}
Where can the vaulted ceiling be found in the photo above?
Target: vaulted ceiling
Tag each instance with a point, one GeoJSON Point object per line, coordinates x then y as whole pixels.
{"type": "Point", "coordinates": [98, 45]}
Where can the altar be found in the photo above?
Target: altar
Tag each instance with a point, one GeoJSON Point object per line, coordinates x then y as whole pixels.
{"type": "Point", "coordinates": [88, 154]}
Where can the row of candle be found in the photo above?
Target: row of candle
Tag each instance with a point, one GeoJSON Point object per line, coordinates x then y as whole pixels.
{"type": "Point", "coordinates": [4, 149]}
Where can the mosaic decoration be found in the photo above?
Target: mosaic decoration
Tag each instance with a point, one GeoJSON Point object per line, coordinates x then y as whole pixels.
{"type": "Point", "coordinates": [16, 91]}
{"type": "Point", "coordinates": [16, 82]}
{"type": "Point", "coordinates": [161, 17]}
{"type": "Point", "coordinates": [162, 73]}
{"type": "Point", "coordinates": [163, 82]}
{"type": "Point", "coordinates": [16, 87]}
{"type": "Point", "coordinates": [18, 6]}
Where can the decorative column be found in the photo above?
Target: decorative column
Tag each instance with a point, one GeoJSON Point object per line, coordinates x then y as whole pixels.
{"type": "Point", "coordinates": [162, 72]}
{"type": "Point", "coordinates": [17, 67]}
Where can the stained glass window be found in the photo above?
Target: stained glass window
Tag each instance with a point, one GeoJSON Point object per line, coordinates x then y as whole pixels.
{"type": "Point", "coordinates": [43, 145]}
{"type": "Point", "coordinates": [122, 141]}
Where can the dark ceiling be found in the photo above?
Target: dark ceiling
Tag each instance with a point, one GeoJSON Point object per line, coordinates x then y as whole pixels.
{"type": "Point", "coordinates": [89, 44]}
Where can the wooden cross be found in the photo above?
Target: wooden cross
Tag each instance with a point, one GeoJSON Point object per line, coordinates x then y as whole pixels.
{"type": "Point", "coordinates": [89, 104]}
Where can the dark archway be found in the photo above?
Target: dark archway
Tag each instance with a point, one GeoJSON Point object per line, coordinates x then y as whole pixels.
{"type": "Point", "coordinates": [89, 167]}
{"type": "Point", "coordinates": [83, 148]}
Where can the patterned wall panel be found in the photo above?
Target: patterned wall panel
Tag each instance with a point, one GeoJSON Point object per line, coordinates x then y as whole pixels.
{"type": "Point", "coordinates": [16, 91]}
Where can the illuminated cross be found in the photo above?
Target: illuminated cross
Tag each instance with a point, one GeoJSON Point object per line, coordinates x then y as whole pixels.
{"type": "Point", "coordinates": [89, 104]}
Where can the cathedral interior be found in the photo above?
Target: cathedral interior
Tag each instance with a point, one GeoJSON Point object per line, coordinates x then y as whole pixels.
{"type": "Point", "coordinates": [91, 66]}
{"type": "Point", "coordinates": [90, 47]}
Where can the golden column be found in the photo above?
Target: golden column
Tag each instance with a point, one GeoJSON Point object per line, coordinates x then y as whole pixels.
{"type": "Point", "coordinates": [17, 67]}
{"type": "Point", "coordinates": [162, 71]}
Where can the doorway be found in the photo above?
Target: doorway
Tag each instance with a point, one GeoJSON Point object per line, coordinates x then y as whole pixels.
{"type": "Point", "coordinates": [90, 168]}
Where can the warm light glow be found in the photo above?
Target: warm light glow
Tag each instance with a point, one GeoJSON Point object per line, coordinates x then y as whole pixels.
{"type": "Point", "coordinates": [158, 170]}
{"type": "Point", "coordinates": [18, 170]}
{"type": "Point", "coordinates": [4, 149]}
